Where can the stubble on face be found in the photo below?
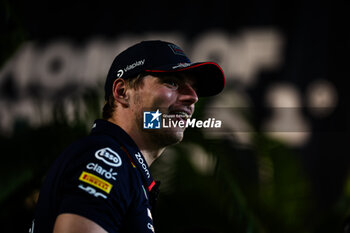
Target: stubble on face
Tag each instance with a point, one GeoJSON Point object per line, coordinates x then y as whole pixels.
{"type": "Point", "coordinates": [160, 137]}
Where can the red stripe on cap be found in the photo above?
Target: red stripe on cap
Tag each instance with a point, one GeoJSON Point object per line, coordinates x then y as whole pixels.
{"type": "Point", "coordinates": [151, 185]}
{"type": "Point", "coordinates": [188, 67]}
{"type": "Point", "coordinates": [191, 67]}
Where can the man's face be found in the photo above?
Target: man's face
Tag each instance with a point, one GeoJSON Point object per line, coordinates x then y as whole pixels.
{"type": "Point", "coordinates": [172, 94]}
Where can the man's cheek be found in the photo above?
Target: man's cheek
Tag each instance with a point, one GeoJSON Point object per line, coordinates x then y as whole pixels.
{"type": "Point", "coordinates": [164, 99]}
{"type": "Point", "coordinates": [159, 103]}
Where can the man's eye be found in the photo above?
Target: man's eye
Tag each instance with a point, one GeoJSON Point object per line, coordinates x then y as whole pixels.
{"type": "Point", "coordinates": [171, 83]}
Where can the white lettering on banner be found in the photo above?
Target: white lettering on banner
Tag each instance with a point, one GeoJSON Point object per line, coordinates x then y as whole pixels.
{"type": "Point", "coordinates": [241, 56]}
{"type": "Point", "coordinates": [60, 63]}
{"type": "Point", "coordinates": [143, 165]}
{"type": "Point", "coordinates": [103, 172]}
{"type": "Point", "coordinates": [109, 157]}
{"type": "Point", "coordinates": [92, 191]}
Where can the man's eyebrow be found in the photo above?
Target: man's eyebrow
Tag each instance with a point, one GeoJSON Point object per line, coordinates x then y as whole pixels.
{"type": "Point", "coordinates": [168, 76]}
{"type": "Point", "coordinates": [182, 78]}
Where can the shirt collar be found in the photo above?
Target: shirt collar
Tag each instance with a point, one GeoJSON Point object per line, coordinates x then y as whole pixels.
{"type": "Point", "coordinates": [117, 133]}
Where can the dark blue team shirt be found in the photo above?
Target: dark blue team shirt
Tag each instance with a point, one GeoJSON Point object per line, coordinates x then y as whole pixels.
{"type": "Point", "coordinates": [103, 177]}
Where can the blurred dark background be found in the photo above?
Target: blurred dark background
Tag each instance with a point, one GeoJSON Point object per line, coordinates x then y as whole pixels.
{"type": "Point", "coordinates": [281, 164]}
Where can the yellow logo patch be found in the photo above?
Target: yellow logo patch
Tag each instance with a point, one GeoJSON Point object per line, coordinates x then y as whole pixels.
{"type": "Point", "coordinates": [95, 181]}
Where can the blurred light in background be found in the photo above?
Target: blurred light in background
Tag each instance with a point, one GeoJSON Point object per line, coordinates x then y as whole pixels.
{"type": "Point", "coordinates": [44, 73]}
{"type": "Point", "coordinates": [321, 98]}
{"type": "Point", "coordinates": [287, 121]}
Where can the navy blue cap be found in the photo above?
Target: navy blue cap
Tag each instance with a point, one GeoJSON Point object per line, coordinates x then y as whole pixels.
{"type": "Point", "coordinates": [159, 57]}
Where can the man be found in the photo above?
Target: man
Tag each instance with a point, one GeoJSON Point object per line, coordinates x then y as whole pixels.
{"type": "Point", "coordinates": [102, 183]}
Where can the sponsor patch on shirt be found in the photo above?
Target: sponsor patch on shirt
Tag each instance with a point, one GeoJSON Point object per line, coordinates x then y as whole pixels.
{"type": "Point", "coordinates": [103, 172]}
{"type": "Point", "coordinates": [150, 226]}
{"type": "Point", "coordinates": [96, 181]}
{"type": "Point", "coordinates": [109, 157]}
{"type": "Point", "coordinates": [92, 191]}
{"type": "Point", "coordinates": [149, 213]}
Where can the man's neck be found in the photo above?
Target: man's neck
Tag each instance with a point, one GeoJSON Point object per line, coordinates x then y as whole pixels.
{"type": "Point", "coordinates": [147, 147]}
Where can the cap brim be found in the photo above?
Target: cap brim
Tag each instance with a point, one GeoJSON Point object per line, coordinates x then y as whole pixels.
{"type": "Point", "coordinates": [209, 77]}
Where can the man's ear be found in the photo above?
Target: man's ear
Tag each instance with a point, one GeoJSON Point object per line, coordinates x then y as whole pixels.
{"type": "Point", "coordinates": [119, 92]}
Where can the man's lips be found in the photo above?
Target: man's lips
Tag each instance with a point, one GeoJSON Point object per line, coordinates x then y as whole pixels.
{"type": "Point", "coordinates": [181, 114]}
{"type": "Point", "coordinates": [181, 110]}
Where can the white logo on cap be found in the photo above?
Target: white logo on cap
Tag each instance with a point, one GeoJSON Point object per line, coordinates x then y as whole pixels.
{"type": "Point", "coordinates": [120, 73]}
{"type": "Point", "coordinates": [181, 65]}
{"type": "Point", "coordinates": [134, 65]}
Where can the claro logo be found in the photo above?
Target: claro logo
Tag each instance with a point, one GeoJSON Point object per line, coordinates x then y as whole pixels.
{"type": "Point", "coordinates": [109, 157]}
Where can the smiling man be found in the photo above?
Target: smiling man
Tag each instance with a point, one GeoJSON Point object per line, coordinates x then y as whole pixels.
{"type": "Point", "coordinates": [102, 183]}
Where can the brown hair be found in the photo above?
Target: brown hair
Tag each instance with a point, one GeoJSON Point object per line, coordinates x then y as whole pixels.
{"type": "Point", "coordinates": [110, 106]}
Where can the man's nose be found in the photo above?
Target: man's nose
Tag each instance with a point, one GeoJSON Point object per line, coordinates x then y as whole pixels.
{"type": "Point", "coordinates": [187, 94]}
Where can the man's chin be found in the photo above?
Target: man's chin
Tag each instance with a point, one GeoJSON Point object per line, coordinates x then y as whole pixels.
{"type": "Point", "coordinates": [177, 136]}
{"type": "Point", "coordinates": [167, 137]}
